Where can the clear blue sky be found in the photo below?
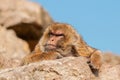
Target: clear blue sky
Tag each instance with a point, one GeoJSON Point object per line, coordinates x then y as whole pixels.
{"type": "Point", "coordinates": [98, 21]}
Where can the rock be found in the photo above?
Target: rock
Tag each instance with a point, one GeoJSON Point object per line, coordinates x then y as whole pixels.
{"type": "Point", "coordinates": [109, 72]}
{"type": "Point", "coordinates": [26, 18]}
{"type": "Point", "coordinates": [111, 59]}
{"type": "Point", "coordinates": [69, 68]}
{"type": "Point", "coordinates": [12, 49]}
{"type": "Point", "coordinates": [21, 23]}
{"type": "Point", "coordinates": [14, 12]}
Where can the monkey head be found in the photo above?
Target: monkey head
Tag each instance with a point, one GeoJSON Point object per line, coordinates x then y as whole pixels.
{"type": "Point", "coordinates": [57, 37]}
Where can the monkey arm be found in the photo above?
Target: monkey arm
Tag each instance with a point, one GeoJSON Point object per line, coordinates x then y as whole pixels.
{"type": "Point", "coordinates": [94, 56]}
{"type": "Point", "coordinates": [82, 50]}
{"type": "Point", "coordinates": [95, 59]}
{"type": "Point", "coordinates": [34, 57]}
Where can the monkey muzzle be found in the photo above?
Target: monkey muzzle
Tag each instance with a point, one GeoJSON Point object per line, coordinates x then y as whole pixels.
{"type": "Point", "coordinates": [50, 47]}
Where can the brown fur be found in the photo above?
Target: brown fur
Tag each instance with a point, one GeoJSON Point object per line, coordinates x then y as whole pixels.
{"type": "Point", "coordinates": [71, 45]}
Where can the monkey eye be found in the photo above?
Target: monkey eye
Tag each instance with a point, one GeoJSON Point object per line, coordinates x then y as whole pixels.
{"type": "Point", "coordinates": [52, 34]}
{"type": "Point", "coordinates": [59, 35]}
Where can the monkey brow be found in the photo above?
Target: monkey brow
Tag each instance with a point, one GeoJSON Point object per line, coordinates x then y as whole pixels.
{"type": "Point", "coordinates": [56, 34]}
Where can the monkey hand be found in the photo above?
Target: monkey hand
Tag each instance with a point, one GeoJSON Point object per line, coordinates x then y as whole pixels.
{"type": "Point", "coordinates": [96, 60]}
{"type": "Point", "coordinates": [34, 57]}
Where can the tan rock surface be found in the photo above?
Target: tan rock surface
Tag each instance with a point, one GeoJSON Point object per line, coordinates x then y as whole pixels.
{"type": "Point", "coordinates": [26, 18]}
{"type": "Point", "coordinates": [13, 12]}
{"type": "Point", "coordinates": [12, 49]}
{"type": "Point", "coordinates": [69, 68]}
{"type": "Point", "coordinates": [111, 59]}
{"type": "Point", "coordinates": [64, 69]}
{"type": "Point", "coordinates": [109, 72]}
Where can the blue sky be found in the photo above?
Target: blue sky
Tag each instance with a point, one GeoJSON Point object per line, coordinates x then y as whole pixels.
{"type": "Point", "coordinates": [98, 21]}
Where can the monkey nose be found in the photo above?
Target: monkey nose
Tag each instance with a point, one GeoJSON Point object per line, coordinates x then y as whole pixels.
{"type": "Point", "coordinates": [52, 39]}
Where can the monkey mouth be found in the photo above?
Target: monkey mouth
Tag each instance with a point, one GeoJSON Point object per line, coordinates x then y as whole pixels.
{"type": "Point", "coordinates": [49, 47]}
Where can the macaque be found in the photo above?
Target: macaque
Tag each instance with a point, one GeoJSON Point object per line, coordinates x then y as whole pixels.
{"type": "Point", "coordinates": [61, 40]}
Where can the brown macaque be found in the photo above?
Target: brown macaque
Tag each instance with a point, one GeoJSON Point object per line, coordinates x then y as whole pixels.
{"type": "Point", "coordinates": [61, 40]}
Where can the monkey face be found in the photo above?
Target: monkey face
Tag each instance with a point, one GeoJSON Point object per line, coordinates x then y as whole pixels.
{"type": "Point", "coordinates": [57, 37]}
{"type": "Point", "coordinates": [55, 40]}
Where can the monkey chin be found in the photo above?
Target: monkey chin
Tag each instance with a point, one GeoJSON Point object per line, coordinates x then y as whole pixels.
{"type": "Point", "coordinates": [49, 48]}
